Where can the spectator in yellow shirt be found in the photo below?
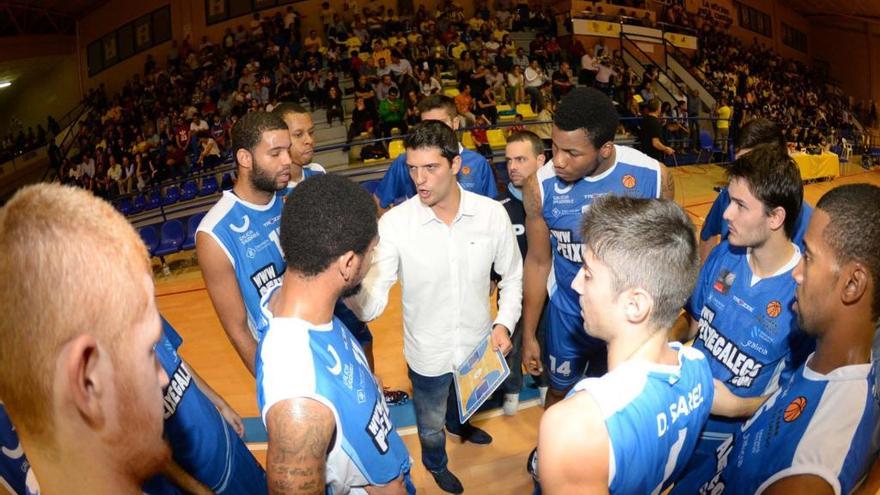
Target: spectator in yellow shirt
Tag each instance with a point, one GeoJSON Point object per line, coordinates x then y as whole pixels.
{"type": "Point", "coordinates": [722, 125]}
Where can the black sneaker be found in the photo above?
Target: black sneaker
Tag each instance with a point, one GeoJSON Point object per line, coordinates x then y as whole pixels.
{"type": "Point", "coordinates": [472, 434]}
{"type": "Point", "coordinates": [447, 481]}
{"type": "Point", "coordinates": [395, 397]}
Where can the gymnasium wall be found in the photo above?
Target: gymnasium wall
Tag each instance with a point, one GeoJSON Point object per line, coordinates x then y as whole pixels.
{"type": "Point", "coordinates": [852, 49]}
{"type": "Point", "coordinates": [30, 100]}
{"type": "Point", "coordinates": [188, 19]}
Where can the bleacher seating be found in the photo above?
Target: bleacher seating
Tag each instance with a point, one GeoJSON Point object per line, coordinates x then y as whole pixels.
{"type": "Point", "coordinates": [151, 238]}
{"type": "Point", "coordinates": [190, 190]}
{"type": "Point", "coordinates": [139, 204]}
{"type": "Point", "coordinates": [172, 195]}
{"type": "Point", "coordinates": [171, 239]}
{"type": "Point", "coordinates": [153, 201]}
{"type": "Point", "coordinates": [209, 186]}
{"type": "Point", "coordinates": [192, 224]}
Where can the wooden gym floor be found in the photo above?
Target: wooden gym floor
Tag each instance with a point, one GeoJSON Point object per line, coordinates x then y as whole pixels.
{"type": "Point", "coordinates": [498, 468]}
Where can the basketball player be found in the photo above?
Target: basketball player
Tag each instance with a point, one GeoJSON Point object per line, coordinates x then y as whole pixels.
{"type": "Point", "coordinates": [329, 427]}
{"type": "Point", "coordinates": [815, 434]}
{"type": "Point", "coordinates": [634, 428]}
{"type": "Point", "coordinates": [475, 175]}
{"type": "Point", "coordinates": [80, 380]}
{"type": "Point", "coordinates": [524, 153]}
{"type": "Point", "coordinates": [442, 245]}
{"type": "Point", "coordinates": [586, 164]}
{"type": "Point", "coordinates": [740, 312]}
{"type": "Point", "coordinates": [302, 140]}
{"type": "Point", "coordinates": [237, 242]}
{"type": "Point", "coordinates": [204, 432]}
{"type": "Point", "coordinates": [757, 131]}
{"type": "Point", "coordinates": [16, 475]}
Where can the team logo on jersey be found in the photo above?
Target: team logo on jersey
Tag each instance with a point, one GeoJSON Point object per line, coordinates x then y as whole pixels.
{"type": "Point", "coordinates": [565, 247]}
{"type": "Point", "coordinates": [177, 386]}
{"type": "Point", "coordinates": [724, 281]}
{"type": "Point", "coordinates": [465, 170]}
{"type": "Point", "coordinates": [337, 364]}
{"type": "Point", "coordinates": [774, 308]}
{"type": "Point", "coordinates": [380, 425]}
{"type": "Point", "coordinates": [628, 181]}
{"type": "Point", "coordinates": [743, 368]}
{"type": "Point", "coordinates": [245, 224]}
{"type": "Point", "coordinates": [265, 279]}
{"type": "Point", "coordinates": [794, 409]}
{"type": "Point", "coordinates": [562, 190]}
{"type": "Point", "coordinates": [251, 253]}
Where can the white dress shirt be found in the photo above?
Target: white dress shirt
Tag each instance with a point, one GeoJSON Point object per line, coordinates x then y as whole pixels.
{"type": "Point", "coordinates": [444, 273]}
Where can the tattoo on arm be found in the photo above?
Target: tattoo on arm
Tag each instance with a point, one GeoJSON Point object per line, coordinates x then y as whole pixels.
{"type": "Point", "coordinates": [300, 432]}
{"type": "Point", "coordinates": [668, 185]}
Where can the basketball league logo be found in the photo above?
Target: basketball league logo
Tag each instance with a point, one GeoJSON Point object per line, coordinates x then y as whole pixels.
{"type": "Point", "coordinates": [465, 170]}
{"type": "Point", "coordinates": [628, 181]}
{"type": "Point", "coordinates": [774, 308]}
{"type": "Point", "coordinates": [794, 409]}
{"type": "Point", "coordinates": [724, 281]}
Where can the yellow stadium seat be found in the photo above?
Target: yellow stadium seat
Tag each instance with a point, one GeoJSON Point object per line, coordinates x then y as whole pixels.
{"type": "Point", "coordinates": [504, 108]}
{"type": "Point", "coordinates": [451, 92]}
{"type": "Point", "coordinates": [525, 110]}
{"type": "Point", "coordinates": [496, 139]}
{"type": "Point", "coordinates": [395, 148]}
{"type": "Point", "coordinates": [468, 141]}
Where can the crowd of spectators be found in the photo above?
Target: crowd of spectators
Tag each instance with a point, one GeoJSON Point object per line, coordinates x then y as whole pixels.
{"type": "Point", "coordinates": [18, 143]}
{"type": "Point", "coordinates": [174, 118]}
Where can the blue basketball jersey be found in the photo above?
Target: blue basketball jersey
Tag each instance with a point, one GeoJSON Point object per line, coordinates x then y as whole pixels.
{"type": "Point", "coordinates": [249, 235]}
{"type": "Point", "coordinates": [202, 442]}
{"type": "Point", "coordinates": [564, 204]}
{"type": "Point", "coordinates": [715, 223]}
{"type": "Point", "coordinates": [16, 475]}
{"type": "Point", "coordinates": [654, 414]}
{"type": "Point", "coordinates": [747, 328]}
{"type": "Point", "coordinates": [325, 363]}
{"type": "Point", "coordinates": [822, 425]}
{"type": "Point", "coordinates": [475, 176]}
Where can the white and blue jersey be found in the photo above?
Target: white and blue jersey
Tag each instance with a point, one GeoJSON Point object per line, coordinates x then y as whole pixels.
{"type": "Point", "coordinates": [715, 223]}
{"type": "Point", "coordinates": [475, 176]}
{"type": "Point", "coordinates": [564, 205]}
{"type": "Point", "coordinates": [821, 425]}
{"type": "Point", "coordinates": [202, 442]}
{"type": "Point", "coordinates": [654, 414]}
{"type": "Point", "coordinates": [297, 359]}
{"type": "Point", "coordinates": [746, 325]}
{"type": "Point", "coordinates": [249, 235]}
{"type": "Point", "coordinates": [16, 475]}
{"type": "Point", "coordinates": [570, 352]}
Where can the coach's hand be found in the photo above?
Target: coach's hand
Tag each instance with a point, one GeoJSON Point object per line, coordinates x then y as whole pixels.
{"type": "Point", "coordinates": [501, 339]}
{"type": "Point", "coordinates": [531, 356]}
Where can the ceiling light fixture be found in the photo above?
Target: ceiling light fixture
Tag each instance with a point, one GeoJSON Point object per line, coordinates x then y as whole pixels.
{"type": "Point", "coordinates": [5, 84]}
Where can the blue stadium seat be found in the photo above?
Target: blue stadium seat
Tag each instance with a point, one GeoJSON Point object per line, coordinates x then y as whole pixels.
{"type": "Point", "coordinates": [226, 183]}
{"type": "Point", "coordinates": [190, 190]}
{"type": "Point", "coordinates": [172, 238]}
{"type": "Point", "coordinates": [191, 225]}
{"type": "Point", "coordinates": [139, 204]}
{"type": "Point", "coordinates": [209, 186]}
{"type": "Point", "coordinates": [154, 201]}
{"type": "Point", "coordinates": [707, 144]}
{"type": "Point", "coordinates": [124, 206]}
{"type": "Point", "coordinates": [172, 195]}
{"type": "Point", "coordinates": [150, 238]}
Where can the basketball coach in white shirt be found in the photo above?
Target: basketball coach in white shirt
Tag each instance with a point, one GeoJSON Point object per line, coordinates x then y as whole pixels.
{"type": "Point", "coordinates": [442, 244]}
